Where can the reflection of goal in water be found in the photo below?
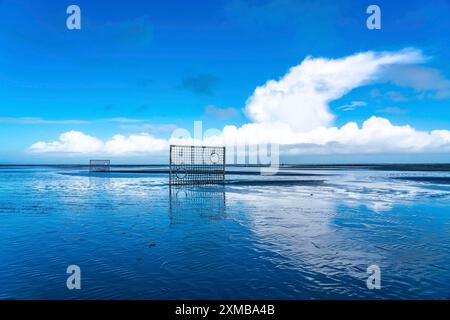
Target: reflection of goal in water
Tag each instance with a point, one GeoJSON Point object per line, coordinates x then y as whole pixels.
{"type": "Point", "coordinates": [191, 203]}
{"type": "Point", "coordinates": [100, 165]}
{"type": "Point", "coordinates": [196, 165]}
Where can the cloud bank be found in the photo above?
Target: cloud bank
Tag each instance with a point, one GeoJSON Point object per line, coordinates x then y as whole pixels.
{"type": "Point", "coordinates": [375, 135]}
{"type": "Point", "coordinates": [293, 112]}
{"type": "Point", "coordinates": [78, 142]}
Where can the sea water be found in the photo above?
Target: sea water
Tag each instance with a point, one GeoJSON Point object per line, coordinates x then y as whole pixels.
{"type": "Point", "coordinates": [308, 233]}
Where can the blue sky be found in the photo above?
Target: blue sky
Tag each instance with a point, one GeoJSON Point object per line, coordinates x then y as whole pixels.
{"type": "Point", "coordinates": [152, 66]}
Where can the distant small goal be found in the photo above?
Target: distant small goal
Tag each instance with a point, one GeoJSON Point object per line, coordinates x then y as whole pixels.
{"type": "Point", "coordinates": [99, 165]}
{"type": "Point", "coordinates": [191, 165]}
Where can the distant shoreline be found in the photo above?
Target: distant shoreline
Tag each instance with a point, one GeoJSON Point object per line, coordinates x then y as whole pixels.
{"type": "Point", "coordinates": [384, 167]}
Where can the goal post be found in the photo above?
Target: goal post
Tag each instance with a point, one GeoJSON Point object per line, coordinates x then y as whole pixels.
{"type": "Point", "coordinates": [99, 165]}
{"type": "Point", "coordinates": [190, 165]}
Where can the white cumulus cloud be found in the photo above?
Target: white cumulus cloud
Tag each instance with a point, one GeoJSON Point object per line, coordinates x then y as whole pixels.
{"type": "Point", "coordinates": [375, 135]}
{"type": "Point", "coordinates": [301, 97]}
{"type": "Point", "coordinates": [69, 142]}
{"type": "Point", "coordinates": [78, 142]}
{"type": "Point", "coordinates": [134, 144]}
{"type": "Point", "coordinates": [294, 113]}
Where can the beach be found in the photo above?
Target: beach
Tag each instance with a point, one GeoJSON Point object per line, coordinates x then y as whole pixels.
{"type": "Point", "coordinates": [309, 232]}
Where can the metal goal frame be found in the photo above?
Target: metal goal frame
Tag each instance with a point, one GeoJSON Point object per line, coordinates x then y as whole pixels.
{"type": "Point", "coordinates": [99, 165]}
{"type": "Point", "coordinates": [194, 165]}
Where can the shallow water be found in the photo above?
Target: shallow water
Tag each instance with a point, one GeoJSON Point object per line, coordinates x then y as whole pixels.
{"type": "Point", "coordinates": [310, 234]}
